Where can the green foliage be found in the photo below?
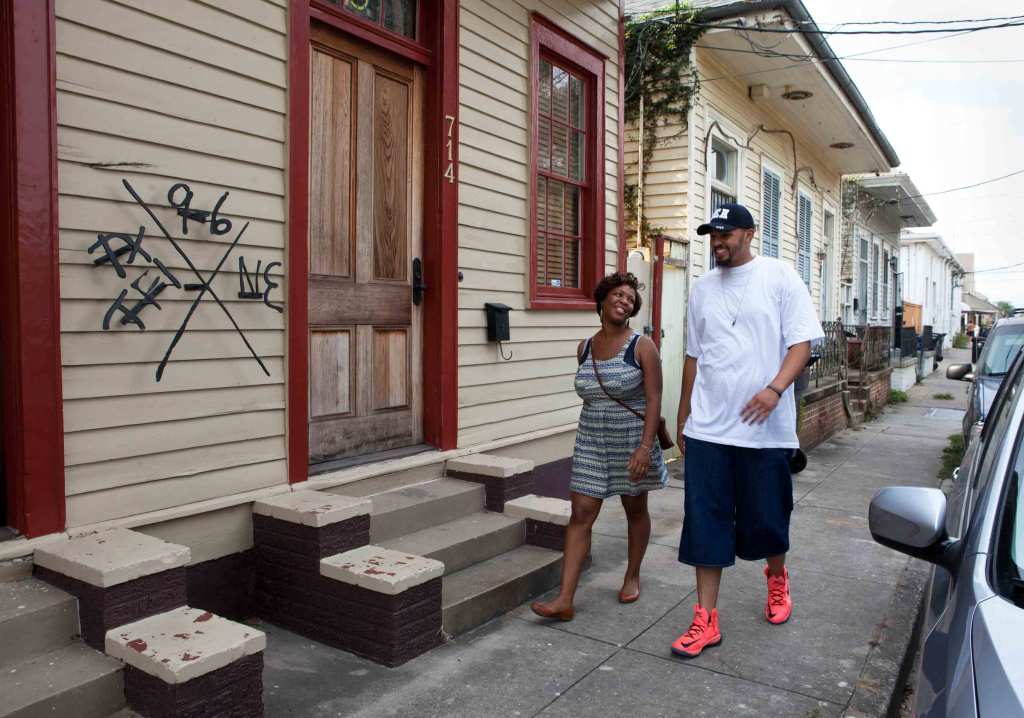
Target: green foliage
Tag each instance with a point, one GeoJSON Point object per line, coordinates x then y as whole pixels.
{"type": "Point", "coordinates": [897, 397]}
{"type": "Point", "coordinates": [659, 70]}
{"type": "Point", "coordinates": [960, 340]}
{"type": "Point", "coordinates": [1005, 308]}
{"type": "Point", "coordinates": [952, 455]}
{"type": "Point", "coordinates": [943, 396]}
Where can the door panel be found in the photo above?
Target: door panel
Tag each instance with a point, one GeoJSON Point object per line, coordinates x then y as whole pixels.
{"type": "Point", "coordinates": [391, 172]}
{"type": "Point", "coordinates": [330, 202]}
{"type": "Point", "coordinates": [365, 201]}
{"type": "Point", "coordinates": [330, 362]}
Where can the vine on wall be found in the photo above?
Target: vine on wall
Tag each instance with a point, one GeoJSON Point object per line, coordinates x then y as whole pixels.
{"type": "Point", "coordinates": [660, 73]}
{"type": "Point", "coordinates": [859, 207]}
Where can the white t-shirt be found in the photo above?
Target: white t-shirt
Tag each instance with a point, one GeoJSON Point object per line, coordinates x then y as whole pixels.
{"type": "Point", "coordinates": [741, 322]}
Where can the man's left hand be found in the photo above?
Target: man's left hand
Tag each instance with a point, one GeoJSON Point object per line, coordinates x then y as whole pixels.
{"type": "Point", "coordinates": [760, 407]}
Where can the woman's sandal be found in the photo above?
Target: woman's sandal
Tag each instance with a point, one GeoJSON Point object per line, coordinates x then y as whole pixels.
{"type": "Point", "coordinates": [541, 610]}
{"type": "Point", "coordinates": [623, 598]}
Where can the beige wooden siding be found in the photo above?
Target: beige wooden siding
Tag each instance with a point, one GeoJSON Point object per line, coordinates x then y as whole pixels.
{"type": "Point", "coordinates": [666, 188]}
{"type": "Point", "coordinates": [534, 390]}
{"type": "Point", "coordinates": [160, 92]}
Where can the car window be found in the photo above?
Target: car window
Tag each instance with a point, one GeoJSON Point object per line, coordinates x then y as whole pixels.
{"type": "Point", "coordinates": [1009, 549]}
{"type": "Point", "coordinates": [1001, 348]}
{"type": "Point", "coordinates": [993, 437]}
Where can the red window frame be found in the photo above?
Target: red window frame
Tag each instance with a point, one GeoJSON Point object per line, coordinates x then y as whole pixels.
{"type": "Point", "coordinates": [554, 45]}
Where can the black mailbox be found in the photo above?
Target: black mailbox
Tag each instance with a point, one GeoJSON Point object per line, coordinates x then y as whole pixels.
{"type": "Point", "coordinates": [497, 322]}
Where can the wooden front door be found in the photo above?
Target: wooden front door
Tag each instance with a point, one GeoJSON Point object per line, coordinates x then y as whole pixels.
{"type": "Point", "coordinates": [365, 231]}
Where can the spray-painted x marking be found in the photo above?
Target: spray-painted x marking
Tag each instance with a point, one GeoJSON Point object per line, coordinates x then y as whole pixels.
{"type": "Point", "coordinates": [205, 284]}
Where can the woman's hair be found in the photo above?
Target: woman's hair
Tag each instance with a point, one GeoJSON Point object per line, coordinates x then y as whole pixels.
{"type": "Point", "coordinates": [614, 281]}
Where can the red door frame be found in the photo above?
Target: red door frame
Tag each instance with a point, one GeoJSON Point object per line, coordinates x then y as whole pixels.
{"type": "Point", "coordinates": [33, 421]}
{"type": "Point", "coordinates": [439, 31]}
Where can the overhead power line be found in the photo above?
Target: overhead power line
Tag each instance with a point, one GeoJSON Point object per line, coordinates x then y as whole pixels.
{"type": "Point", "coordinates": [806, 59]}
{"type": "Point", "coordinates": [969, 186]}
{"type": "Point", "coordinates": [996, 269]}
{"type": "Point", "coordinates": [808, 31]}
{"type": "Point", "coordinates": [924, 22]}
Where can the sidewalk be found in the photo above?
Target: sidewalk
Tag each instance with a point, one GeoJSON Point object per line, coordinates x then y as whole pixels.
{"type": "Point", "coordinates": [840, 654]}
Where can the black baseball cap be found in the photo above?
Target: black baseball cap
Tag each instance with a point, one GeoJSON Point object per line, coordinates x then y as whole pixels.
{"type": "Point", "coordinates": [726, 218]}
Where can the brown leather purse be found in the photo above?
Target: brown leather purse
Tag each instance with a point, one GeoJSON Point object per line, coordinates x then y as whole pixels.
{"type": "Point", "coordinates": [664, 439]}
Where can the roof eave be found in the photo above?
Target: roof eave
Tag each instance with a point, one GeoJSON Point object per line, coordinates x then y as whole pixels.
{"type": "Point", "coordinates": [797, 11]}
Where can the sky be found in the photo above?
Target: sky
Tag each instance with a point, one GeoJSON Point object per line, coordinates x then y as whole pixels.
{"type": "Point", "coordinates": [951, 124]}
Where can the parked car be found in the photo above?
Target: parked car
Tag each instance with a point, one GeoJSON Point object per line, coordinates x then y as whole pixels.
{"type": "Point", "coordinates": [1001, 348]}
{"type": "Point", "coordinates": [972, 652]}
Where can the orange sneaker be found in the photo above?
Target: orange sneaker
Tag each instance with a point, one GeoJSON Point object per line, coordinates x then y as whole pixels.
{"type": "Point", "coordinates": [779, 605]}
{"type": "Point", "coordinates": [703, 633]}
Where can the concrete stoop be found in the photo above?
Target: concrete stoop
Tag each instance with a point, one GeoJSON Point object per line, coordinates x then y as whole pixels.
{"type": "Point", "coordinates": [491, 565]}
{"type": "Point", "coordinates": [420, 563]}
{"type": "Point", "coordinates": [45, 670]}
{"type": "Point", "coordinates": [122, 592]}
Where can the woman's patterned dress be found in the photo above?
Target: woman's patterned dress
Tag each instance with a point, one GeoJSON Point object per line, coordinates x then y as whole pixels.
{"type": "Point", "coordinates": [608, 433]}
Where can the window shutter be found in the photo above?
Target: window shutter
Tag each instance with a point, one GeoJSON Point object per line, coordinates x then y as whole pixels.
{"type": "Point", "coordinates": [770, 213]}
{"type": "Point", "coordinates": [803, 259]}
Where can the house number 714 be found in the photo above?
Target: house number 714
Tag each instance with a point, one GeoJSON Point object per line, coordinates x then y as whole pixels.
{"type": "Point", "coordinates": [449, 172]}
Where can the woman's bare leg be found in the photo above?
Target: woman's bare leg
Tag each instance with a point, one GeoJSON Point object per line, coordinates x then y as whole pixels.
{"type": "Point", "coordinates": [639, 522]}
{"type": "Point", "coordinates": [577, 547]}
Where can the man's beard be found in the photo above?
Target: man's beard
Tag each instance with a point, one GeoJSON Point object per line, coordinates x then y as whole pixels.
{"type": "Point", "coordinates": [723, 262]}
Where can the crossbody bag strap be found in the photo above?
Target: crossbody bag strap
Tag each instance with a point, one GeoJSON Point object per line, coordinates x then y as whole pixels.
{"type": "Point", "coordinates": [607, 393]}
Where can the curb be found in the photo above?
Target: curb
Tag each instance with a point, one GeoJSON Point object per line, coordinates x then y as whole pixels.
{"type": "Point", "coordinates": [879, 689]}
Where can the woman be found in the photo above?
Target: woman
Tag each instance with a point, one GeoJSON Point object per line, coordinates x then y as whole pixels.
{"type": "Point", "coordinates": [617, 453]}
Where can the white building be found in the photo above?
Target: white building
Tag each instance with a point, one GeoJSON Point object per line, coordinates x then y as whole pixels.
{"type": "Point", "coordinates": [931, 283]}
{"type": "Point", "coordinates": [885, 206]}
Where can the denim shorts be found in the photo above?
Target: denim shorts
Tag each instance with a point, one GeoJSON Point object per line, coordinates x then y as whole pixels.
{"type": "Point", "coordinates": [737, 503]}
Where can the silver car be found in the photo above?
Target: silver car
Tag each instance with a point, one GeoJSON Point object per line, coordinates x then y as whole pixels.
{"type": "Point", "coordinates": [972, 651]}
{"type": "Point", "coordinates": [1001, 346]}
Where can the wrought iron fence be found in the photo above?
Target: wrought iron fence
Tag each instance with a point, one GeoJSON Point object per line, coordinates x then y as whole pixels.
{"type": "Point", "coordinates": [873, 351]}
{"type": "Point", "coordinates": [831, 355]}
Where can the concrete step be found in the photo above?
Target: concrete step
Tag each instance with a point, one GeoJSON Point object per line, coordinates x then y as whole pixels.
{"type": "Point", "coordinates": [464, 541]}
{"type": "Point", "coordinates": [420, 506]}
{"type": "Point", "coordinates": [477, 594]}
{"type": "Point", "coordinates": [125, 713]}
{"type": "Point", "coordinates": [73, 680]}
{"type": "Point", "coordinates": [35, 618]}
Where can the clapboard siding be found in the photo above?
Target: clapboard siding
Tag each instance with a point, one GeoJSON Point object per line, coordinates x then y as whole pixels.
{"type": "Point", "coordinates": [157, 93]}
{"type": "Point", "coordinates": [157, 495]}
{"type": "Point", "coordinates": [533, 390]}
{"type": "Point", "coordinates": [676, 192]}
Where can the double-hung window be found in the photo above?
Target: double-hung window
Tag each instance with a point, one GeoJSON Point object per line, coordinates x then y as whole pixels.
{"type": "Point", "coordinates": [771, 212]}
{"type": "Point", "coordinates": [875, 306]}
{"type": "Point", "coordinates": [828, 227]}
{"type": "Point", "coordinates": [722, 175]}
{"type": "Point", "coordinates": [862, 276]}
{"type": "Point", "coordinates": [567, 193]}
{"type": "Point", "coordinates": [723, 172]}
{"type": "Point", "coordinates": [886, 271]}
{"type": "Point", "coordinates": [805, 212]}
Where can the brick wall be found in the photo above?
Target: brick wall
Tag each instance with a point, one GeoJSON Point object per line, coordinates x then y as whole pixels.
{"type": "Point", "coordinates": [878, 388]}
{"type": "Point", "coordinates": [821, 416]}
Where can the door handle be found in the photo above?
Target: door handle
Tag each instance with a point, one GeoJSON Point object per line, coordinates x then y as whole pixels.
{"type": "Point", "coordinates": [418, 285]}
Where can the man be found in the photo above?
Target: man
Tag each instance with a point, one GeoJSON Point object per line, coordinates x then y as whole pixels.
{"type": "Point", "coordinates": [750, 327]}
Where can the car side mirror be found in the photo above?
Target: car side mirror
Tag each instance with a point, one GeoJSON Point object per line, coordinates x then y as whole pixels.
{"type": "Point", "coordinates": [960, 372]}
{"type": "Point", "coordinates": [912, 520]}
